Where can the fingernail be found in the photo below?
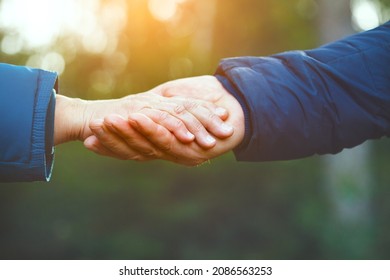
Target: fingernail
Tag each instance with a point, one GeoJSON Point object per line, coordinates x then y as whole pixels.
{"type": "Point", "coordinates": [210, 140]}
{"type": "Point", "coordinates": [97, 122]}
{"type": "Point", "coordinates": [88, 142]}
{"type": "Point", "coordinates": [190, 135]}
{"type": "Point", "coordinates": [226, 128]}
{"type": "Point", "coordinates": [220, 111]}
{"type": "Point", "coordinates": [113, 119]}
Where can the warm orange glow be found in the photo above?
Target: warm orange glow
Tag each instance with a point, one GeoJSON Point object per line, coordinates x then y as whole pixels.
{"type": "Point", "coordinates": [164, 10]}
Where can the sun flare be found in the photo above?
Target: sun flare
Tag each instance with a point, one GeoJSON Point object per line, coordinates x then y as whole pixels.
{"type": "Point", "coordinates": [164, 10]}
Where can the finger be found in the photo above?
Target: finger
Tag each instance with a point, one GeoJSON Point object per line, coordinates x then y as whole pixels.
{"type": "Point", "coordinates": [93, 144]}
{"type": "Point", "coordinates": [131, 138]}
{"type": "Point", "coordinates": [173, 124]}
{"type": "Point", "coordinates": [114, 143]}
{"type": "Point", "coordinates": [207, 116]}
{"type": "Point", "coordinates": [188, 154]}
{"type": "Point", "coordinates": [161, 137]}
{"type": "Point", "coordinates": [203, 138]}
{"type": "Point", "coordinates": [185, 92]}
{"type": "Point", "coordinates": [222, 113]}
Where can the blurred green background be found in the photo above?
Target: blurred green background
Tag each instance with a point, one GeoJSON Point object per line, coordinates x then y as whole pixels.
{"type": "Point", "coordinates": [101, 208]}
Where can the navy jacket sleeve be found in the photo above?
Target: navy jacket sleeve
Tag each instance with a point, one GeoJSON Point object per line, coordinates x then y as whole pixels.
{"type": "Point", "coordinates": [27, 103]}
{"type": "Point", "coordinates": [320, 101]}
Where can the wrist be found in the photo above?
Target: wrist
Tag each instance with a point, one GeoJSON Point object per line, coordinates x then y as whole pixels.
{"type": "Point", "coordinates": [69, 119]}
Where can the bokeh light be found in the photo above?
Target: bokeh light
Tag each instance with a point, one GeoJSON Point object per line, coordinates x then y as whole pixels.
{"type": "Point", "coordinates": [51, 61]}
{"type": "Point", "coordinates": [92, 26]}
{"type": "Point", "coordinates": [164, 10]}
{"type": "Point", "coordinates": [365, 14]}
{"type": "Point", "coordinates": [38, 22]}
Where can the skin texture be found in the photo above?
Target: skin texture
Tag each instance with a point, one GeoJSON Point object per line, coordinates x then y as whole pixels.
{"type": "Point", "coordinates": [140, 137]}
{"type": "Point", "coordinates": [178, 115]}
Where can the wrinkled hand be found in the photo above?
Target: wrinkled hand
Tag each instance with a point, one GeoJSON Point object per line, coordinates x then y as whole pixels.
{"type": "Point", "coordinates": [139, 137]}
{"type": "Point", "coordinates": [73, 116]}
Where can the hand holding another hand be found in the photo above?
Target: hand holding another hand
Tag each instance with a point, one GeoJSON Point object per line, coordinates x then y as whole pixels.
{"type": "Point", "coordinates": [186, 118]}
{"type": "Point", "coordinates": [145, 134]}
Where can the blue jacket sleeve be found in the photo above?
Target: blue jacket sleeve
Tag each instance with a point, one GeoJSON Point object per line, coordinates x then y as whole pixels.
{"type": "Point", "coordinates": [320, 101]}
{"type": "Point", "coordinates": [27, 103]}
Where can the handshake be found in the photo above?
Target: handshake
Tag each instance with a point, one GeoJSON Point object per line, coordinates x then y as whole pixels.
{"type": "Point", "coordinates": [186, 121]}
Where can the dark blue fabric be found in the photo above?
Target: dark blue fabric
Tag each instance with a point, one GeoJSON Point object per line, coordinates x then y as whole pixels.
{"type": "Point", "coordinates": [27, 102]}
{"type": "Point", "coordinates": [320, 101]}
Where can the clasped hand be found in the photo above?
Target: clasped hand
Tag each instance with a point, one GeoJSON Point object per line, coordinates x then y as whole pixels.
{"type": "Point", "coordinates": [186, 121]}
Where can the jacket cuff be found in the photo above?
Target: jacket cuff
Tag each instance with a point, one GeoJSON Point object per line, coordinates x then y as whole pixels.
{"type": "Point", "coordinates": [223, 77]}
{"type": "Point", "coordinates": [248, 127]}
{"type": "Point", "coordinates": [42, 157]}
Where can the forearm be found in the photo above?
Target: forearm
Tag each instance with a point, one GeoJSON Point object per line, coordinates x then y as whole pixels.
{"type": "Point", "coordinates": [301, 103]}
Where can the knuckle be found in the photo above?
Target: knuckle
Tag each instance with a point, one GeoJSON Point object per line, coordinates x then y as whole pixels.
{"type": "Point", "coordinates": [190, 104]}
{"type": "Point", "coordinates": [214, 118]}
{"type": "Point", "coordinates": [178, 124]}
{"type": "Point", "coordinates": [134, 157]}
{"type": "Point", "coordinates": [198, 126]}
{"type": "Point", "coordinates": [129, 141]}
{"type": "Point", "coordinates": [150, 154]}
{"type": "Point", "coordinates": [162, 115]}
{"type": "Point", "coordinates": [166, 147]}
{"type": "Point", "coordinates": [179, 109]}
{"type": "Point", "coordinates": [212, 115]}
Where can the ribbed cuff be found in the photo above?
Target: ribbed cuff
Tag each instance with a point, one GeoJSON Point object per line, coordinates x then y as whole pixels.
{"type": "Point", "coordinates": [42, 157]}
